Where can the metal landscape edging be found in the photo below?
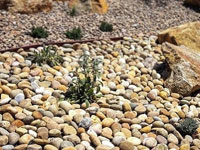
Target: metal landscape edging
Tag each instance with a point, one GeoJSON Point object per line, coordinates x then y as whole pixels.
{"type": "Point", "coordinates": [59, 43]}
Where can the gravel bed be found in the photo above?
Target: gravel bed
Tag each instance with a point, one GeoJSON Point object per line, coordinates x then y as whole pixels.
{"type": "Point", "coordinates": [129, 17]}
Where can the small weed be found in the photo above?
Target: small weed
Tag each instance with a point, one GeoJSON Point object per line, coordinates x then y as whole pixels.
{"type": "Point", "coordinates": [39, 32]}
{"type": "Point", "coordinates": [75, 33]}
{"type": "Point", "coordinates": [73, 12]}
{"type": "Point", "coordinates": [86, 86]}
{"type": "Point", "coordinates": [188, 126]}
{"type": "Point", "coordinates": [106, 27]}
{"type": "Point", "coordinates": [48, 56]}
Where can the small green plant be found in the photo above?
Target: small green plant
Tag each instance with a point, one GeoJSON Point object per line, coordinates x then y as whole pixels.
{"type": "Point", "coordinates": [188, 126]}
{"type": "Point", "coordinates": [73, 12]}
{"type": "Point", "coordinates": [48, 56]}
{"type": "Point", "coordinates": [106, 27]}
{"type": "Point", "coordinates": [38, 32]}
{"type": "Point", "coordinates": [86, 86]}
{"type": "Point", "coordinates": [75, 33]}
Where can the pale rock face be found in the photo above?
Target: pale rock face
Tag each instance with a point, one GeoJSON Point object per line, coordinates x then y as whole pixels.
{"type": "Point", "coordinates": [27, 6]}
{"type": "Point", "coordinates": [96, 6]}
{"type": "Point", "coordinates": [186, 34]}
{"type": "Point", "coordinates": [184, 65]}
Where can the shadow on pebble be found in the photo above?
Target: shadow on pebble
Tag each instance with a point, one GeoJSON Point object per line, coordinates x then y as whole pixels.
{"type": "Point", "coordinates": [163, 69]}
{"type": "Point", "coordinates": [194, 8]}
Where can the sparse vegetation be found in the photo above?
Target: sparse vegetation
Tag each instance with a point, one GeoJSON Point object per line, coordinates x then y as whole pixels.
{"type": "Point", "coordinates": [106, 27]}
{"type": "Point", "coordinates": [48, 56]}
{"type": "Point", "coordinates": [38, 32]}
{"type": "Point", "coordinates": [75, 33]}
{"type": "Point", "coordinates": [73, 12]}
{"type": "Point", "coordinates": [188, 126]}
{"type": "Point", "coordinates": [86, 86]}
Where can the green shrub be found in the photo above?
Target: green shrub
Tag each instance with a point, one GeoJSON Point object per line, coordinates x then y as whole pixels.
{"type": "Point", "coordinates": [188, 126]}
{"type": "Point", "coordinates": [86, 86]}
{"type": "Point", "coordinates": [48, 56]}
{"type": "Point", "coordinates": [75, 33]}
{"type": "Point", "coordinates": [39, 32]}
{"type": "Point", "coordinates": [73, 12]}
{"type": "Point", "coordinates": [106, 27]}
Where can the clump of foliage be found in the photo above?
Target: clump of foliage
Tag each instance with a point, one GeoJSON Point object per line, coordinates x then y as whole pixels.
{"type": "Point", "coordinates": [75, 33]}
{"type": "Point", "coordinates": [73, 12]}
{"type": "Point", "coordinates": [39, 32]}
{"type": "Point", "coordinates": [86, 86]}
{"type": "Point", "coordinates": [188, 126]}
{"type": "Point", "coordinates": [48, 55]}
{"type": "Point", "coordinates": [106, 27]}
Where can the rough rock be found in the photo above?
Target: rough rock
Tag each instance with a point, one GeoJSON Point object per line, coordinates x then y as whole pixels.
{"type": "Point", "coordinates": [96, 6]}
{"type": "Point", "coordinates": [187, 34]}
{"type": "Point", "coordinates": [184, 65]}
{"type": "Point", "coordinates": [29, 6]}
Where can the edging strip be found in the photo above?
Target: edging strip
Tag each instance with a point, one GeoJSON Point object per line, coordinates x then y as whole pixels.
{"type": "Point", "coordinates": [58, 43]}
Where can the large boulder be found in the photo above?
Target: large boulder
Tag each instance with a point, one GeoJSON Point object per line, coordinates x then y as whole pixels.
{"type": "Point", "coordinates": [184, 64]}
{"type": "Point", "coordinates": [96, 6]}
{"type": "Point", "coordinates": [27, 6]}
{"type": "Point", "coordinates": [187, 34]}
{"type": "Point", "coordinates": [193, 2]}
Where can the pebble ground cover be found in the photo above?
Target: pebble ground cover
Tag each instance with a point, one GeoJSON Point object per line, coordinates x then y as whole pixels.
{"type": "Point", "coordinates": [132, 110]}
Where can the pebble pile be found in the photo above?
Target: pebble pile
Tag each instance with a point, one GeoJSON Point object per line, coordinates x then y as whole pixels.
{"type": "Point", "coordinates": [136, 111]}
{"type": "Point", "coordinates": [129, 17]}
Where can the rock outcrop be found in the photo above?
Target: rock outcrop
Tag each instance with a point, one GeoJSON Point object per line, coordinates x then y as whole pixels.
{"type": "Point", "coordinates": [193, 2]}
{"type": "Point", "coordinates": [187, 34]}
{"type": "Point", "coordinates": [184, 64]}
{"type": "Point", "coordinates": [96, 6]}
{"type": "Point", "coordinates": [27, 6]}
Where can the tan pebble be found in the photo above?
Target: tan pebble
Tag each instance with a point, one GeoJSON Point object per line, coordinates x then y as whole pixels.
{"type": "Point", "coordinates": [147, 89]}
{"type": "Point", "coordinates": [146, 129]}
{"type": "Point", "coordinates": [107, 132]}
{"type": "Point", "coordinates": [8, 117]}
{"type": "Point", "coordinates": [95, 140]}
{"type": "Point", "coordinates": [164, 112]}
{"type": "Point", "coordinates": [25, 139]}
{"type": "Point", "coordinates": [119, 86]}
{"type": "Point", "coordinates": [107, 122]}
{"type": "Point", "coordinates": [115, 53]}
{"type": "Point", "coordinates": [126, 145]}
{"type": "Point", "coordinates": [164, 118]}
{"type": "Point", "coordinates": [175, 95]}
{"type": "Point", "coordinates": [149, 120]}
{"type": "Point", "coordinates": [6, 89]}
{"type": "Point", "coordinates": [21, 147]}
{"type": "Point", "coordinates": [103, 147]}
{"type": "Point", "coordinates": [23, 75]}
{"type": "Point", "coordinates": [127, 107]}
{"type": "Point", "coordinates": [17, 123]}
{"type": "Point", "coordinates": [151, 135]}
{"type": "Point", "coordinates": [126, 125]}
{"type": "Point", "coordinates": [69, 148]}
{"type": "Point", "coordinates": [163, 94]}
{"type": "Point", "coordinates": [100, 115]}
{"type": "Point", "coordinates": [181, 114]}
{"type": "Point", "coordinates": [37, 115]}
{"type": "Point", "coordinates": [95, 119]}
{"type": "Point", "coordinates": [68, 130]}
{"type": "Point", "coordinates": [116, 127]}
{"type": "Point", "coordinates": [62, 88]}
{"type": "Point", "coordinates": [126, 132]}
{"type": "Point", "coordinates": [81, 130]}
{"type": "Point", "coordinates": [130, 114]}
{"type": "Point", "coordinates": [50, 147]}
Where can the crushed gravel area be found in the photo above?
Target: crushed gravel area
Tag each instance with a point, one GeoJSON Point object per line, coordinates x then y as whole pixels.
{"type": "Point", "coordinates": [128, 17]}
